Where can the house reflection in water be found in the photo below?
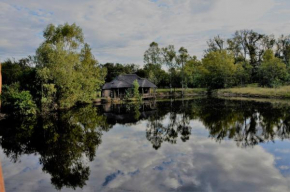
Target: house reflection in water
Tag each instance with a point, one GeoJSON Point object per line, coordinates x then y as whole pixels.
{"type": "Point", "coordinates": [129, 113]}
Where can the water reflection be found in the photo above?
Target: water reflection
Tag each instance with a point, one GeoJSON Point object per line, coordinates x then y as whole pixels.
{"type": "Point", "coordinates": [67, 142]}
{"type": "Point", "coordinates": [157, 132]}
{"type": "Point", "coordinates": [248, 123]}
{"type": "Point", "coordinates": [129, 113]}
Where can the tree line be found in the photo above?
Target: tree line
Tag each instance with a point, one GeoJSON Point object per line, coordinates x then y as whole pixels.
{"type": "Point", "coordinates": [64, 72]}
{"type": "Point", "coordinates": [247, 57]}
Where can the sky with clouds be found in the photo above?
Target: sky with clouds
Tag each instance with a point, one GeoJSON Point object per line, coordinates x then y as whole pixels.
{"type": "Point", "coordinates": [121, 30]}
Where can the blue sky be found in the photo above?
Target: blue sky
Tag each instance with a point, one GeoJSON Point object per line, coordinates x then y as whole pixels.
{"type": "Point", "coordinates": [121, 30]}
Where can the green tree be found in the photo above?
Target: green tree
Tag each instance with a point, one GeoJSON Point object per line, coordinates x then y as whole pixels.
{"type": "Point", "coordinates": [13, 71]}
{"type": "Point", "coordinates": [21, 72]}
{"type": "Point", "coordinates": [272, 71]}
{"type": "Point", "coordinates": [17, 102]}
{"type": "Point", "coordinates": [66, 64]}
{"type": "Point", "coordinates": [181, 59]}
{"type": "Point", "coordinates": [250, 44]}
{"type": "Point", "coordinates": [192, 69]}
{"type": "Point", "coordinates": [155, 74]}
{"type": "Point", "coordinates": [283, 49]}
{"type": "Point", "coordinates": [152, 54]}
{"type": "Point", "coordinates": [215, 44]}
{"type": "Point", "coordinates": [153, 61]}
{"type": "Point", "coordinates": [136, 90]}
{"type": "Point", "coordinates": [168, 56]}
{"type": "Point", "coordinates": [218, 69]}
{"type": "Point", "coordinates": [113, 70]}
{"type": "Point", "coordinates": [243, 72]}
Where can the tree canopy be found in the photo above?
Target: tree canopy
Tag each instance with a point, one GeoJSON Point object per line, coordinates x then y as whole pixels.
{"type": "Point", "coordinates": [66, 69]}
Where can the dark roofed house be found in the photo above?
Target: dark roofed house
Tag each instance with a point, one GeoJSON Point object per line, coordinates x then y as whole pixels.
{"type": "Point", "coordinates": [117, 88]}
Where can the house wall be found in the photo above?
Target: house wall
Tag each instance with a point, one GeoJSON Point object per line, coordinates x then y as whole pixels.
{"type": "Point", "coordinates": [106, 93]}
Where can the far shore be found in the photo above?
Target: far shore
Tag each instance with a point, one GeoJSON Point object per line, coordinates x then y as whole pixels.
{"type": "Point", "coordinates": [254, 91]}
{"type": "Point", "coordinates": [250, 91]}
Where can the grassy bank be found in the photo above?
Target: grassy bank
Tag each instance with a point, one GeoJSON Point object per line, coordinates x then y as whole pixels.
{"type": "Point", "coordinates": [178, 92]}
{"type": "Point", "coordinates": [255, 91]}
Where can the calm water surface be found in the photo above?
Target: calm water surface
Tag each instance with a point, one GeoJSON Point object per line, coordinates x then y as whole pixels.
{"type": "Point", "coordinates": [192, 145]}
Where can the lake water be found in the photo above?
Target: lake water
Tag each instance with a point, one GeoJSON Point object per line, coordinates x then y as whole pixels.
{"type": "Point", "coordinates": [198, 144]}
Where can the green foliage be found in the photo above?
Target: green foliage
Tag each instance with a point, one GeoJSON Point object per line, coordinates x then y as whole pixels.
{"type": "Point", "coordinates": [181, 59]}
{"type": "Point", "coordinates": [218, 69]}
{"type": "Point", "coordinates": [14, 71]}
{"type": "Point", "coordinates": [283, 49]}
{"type": "Point", "coordinates": [272, 71]}
{"type": "Point", "coordinates": [17, 102]}
{"type": "Point", "coordinates": [66, 68]}
{"type": "Point", "coordinates": [153, 54]}
{"type": "Point", "coordinates": [156, 75]}
{"type": "Point", "coordinates": [21, 72]}
{"type": "Point", "coordinates": [243, 73]}
{"type": "Point", "coordinates": [136, 90]}
{"type": "Point", "coordinates": [215, 44]}
{"type": "Point", "coordinates": [48, 97]}
{"type": "Point", "coordinates": [114, 70]}
{"type": "Point", "coordinates": [153, 61]}
{"type": "Point", "coordinates": [128, 94]}
{"type": "Point", "coordinates": [192, 70]}
{"type": "Point", "coordinates": [168, 57]}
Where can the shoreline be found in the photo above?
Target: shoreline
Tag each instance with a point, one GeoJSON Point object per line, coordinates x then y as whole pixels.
{"type": "Point", "coordinates": [255, 92]}
{"type": "Point", "coordinates": [236, 92]}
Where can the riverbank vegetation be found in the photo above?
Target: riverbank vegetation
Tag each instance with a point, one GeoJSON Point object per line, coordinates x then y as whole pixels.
{"type": "Point", "coordinates": [63, 72]}
{"type": "Point", "coordinates": [252, 91]}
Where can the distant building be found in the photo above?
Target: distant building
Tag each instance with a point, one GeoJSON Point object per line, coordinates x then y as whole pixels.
{"type": "Point", "coordinates": [117, 88]}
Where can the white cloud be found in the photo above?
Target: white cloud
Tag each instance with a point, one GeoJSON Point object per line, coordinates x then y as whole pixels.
{"type": "Point", "coordinates": [121, 30]}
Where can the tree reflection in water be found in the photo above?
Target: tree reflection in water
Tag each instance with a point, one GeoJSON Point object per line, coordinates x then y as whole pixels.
{"type": "Point", "coordinates": [65, 141]}
{"type": "Point", "coordinates": [179, 120]}
{"type": "Point", "coordinates": [246, 122]}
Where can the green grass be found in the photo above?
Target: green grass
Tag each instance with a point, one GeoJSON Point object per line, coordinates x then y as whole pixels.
{"type": "Point", "coordinates": [254, 91]}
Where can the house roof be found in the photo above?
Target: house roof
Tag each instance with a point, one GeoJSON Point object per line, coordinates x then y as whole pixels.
{"type": "Point", "coordinates": [126, 81]}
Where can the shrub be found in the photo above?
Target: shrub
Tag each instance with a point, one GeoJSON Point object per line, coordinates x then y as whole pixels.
{"type": "Point", "coordinates": [17, 102]}
{"type": "Point", "coordinates": [136, 90]}
{"type": "Point", "coordinates": [272, 71]}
